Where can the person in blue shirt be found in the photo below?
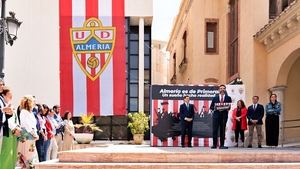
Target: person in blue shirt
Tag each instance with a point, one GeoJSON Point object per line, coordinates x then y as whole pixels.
{"type": "Point", "coordinates": [273, 109]}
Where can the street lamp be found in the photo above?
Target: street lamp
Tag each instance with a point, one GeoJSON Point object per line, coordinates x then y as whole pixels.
{"type": "Point", "coordinates": [12, 28]}
{"type": "Point", "coordinates": [8, 33]}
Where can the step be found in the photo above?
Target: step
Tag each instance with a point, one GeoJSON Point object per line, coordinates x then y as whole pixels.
{"type": "Point", "coordinates": [168, 165]}
{"type": "Point", "coordinates": [147, 154]}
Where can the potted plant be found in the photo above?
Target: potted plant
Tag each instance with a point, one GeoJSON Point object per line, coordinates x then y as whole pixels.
{"type": "Point", "coordinates": [138, 124]}
{"type": "Point", "coordinates": [84, 132]}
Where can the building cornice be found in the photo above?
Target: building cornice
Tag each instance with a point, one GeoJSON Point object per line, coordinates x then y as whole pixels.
{"type": "Point", "coordinates": [282, 28]}
{"type": "Point", "coordinates": [180, 18]}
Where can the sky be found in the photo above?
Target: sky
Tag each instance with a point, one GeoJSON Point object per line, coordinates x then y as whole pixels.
{"type": "Point", "coordinates": [164, 14]}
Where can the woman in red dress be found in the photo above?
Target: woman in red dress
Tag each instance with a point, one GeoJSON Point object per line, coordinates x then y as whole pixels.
{"type": "Point", "coordinates": [239, 123]}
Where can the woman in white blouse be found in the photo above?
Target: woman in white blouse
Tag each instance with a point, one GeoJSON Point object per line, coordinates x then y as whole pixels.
{"type": "Point", "coordinates": [26, 149]}
{"type": "Point", "coordinates": [69, 132]}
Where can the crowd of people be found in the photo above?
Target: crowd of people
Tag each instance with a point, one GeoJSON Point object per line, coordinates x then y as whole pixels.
{"type": "Point", "coordinates": [34, 132]}
{"type": "Point", "coordinates": [243, 118]}
{"type": "Point", "coordinates": [31, 132]}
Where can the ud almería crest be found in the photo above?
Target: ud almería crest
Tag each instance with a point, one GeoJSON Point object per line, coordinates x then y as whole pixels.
{"type": "Point", "coordinates": [92, 46]}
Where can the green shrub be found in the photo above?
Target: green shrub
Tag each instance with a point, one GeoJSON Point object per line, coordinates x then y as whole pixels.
{"type": "Point", "coordinates": [138, 123]}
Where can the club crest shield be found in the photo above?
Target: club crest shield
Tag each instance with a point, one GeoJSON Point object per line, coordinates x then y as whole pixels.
{"type": "Point", "coordinates": [92, 46]}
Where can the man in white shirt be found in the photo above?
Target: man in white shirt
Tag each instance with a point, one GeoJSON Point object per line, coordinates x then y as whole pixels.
{"type": "Point", "coordinates": [53, 148]}
{"type": "Point", "coordinates": [60, 130]}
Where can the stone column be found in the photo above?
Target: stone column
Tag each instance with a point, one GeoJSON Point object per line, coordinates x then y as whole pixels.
{"type": "Point", "coordinates": [141, 64]}
{"type": "Point", "coordinates": [279, 91]}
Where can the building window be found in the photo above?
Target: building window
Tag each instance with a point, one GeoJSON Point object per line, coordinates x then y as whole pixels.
{"type": "Point", "coordinates": [173, 78]}
{"type": "Point", "coordinates": [211, 34]}
{"type": "Point", "coordinates": [184, 38]}
{"type": "Point", "coordinates": [285, 4]}
{"type": "Point", "coordinates": [174, 64]}
{"type": "Point", "coordinates": [233, 48]}
{"type": "Point", "coordinates": [272, 9]}
{"type": "Point", "coordinates": [277, 6]}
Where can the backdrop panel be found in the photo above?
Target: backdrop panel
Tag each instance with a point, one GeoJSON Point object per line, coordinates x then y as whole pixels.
{"type": "Point", "coordinates": [165, 123]}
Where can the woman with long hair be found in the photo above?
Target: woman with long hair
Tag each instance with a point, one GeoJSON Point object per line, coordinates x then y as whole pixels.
{"type": "Point", "coordinates": [69, 132]}
{"type": "Point", "coordinates": [273, 109]}
{"type": "Point", "coordinates": [27, 152]}
{"type": "Point", "coordinates": [49, 130]}
{"type": "Point", "coordinates": [239, 124]}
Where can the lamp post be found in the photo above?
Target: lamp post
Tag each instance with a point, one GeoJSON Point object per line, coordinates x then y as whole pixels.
{"type": "Point", "coordinates": [8, 33]}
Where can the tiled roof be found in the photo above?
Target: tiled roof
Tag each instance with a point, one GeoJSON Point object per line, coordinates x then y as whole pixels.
{"type": "Point", "coordinates": [271, 22]}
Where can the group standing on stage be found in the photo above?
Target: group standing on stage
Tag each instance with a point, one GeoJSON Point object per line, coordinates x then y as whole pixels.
{"type": "Point", "coordinates": [32, 132]}
{"type": "Point", "coordinates": [220, 106]}
{"type": "Point", "coordinates": [35, 133]}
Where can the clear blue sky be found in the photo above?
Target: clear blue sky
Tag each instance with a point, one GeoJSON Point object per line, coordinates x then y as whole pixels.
{"type": "Point", "coordinates": [164, 13]}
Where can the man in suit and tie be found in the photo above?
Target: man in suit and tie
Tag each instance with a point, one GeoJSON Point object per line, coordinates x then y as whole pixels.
{"type": "Point", "coordinates": [186, 112]}
{"type": "Point", "coordinates": [220, 106]}
{"type": "Point", "coordinates": [255, 115]}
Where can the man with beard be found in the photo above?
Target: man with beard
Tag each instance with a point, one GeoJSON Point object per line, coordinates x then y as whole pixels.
{"type": "Point", "coordinates": [220, 106]}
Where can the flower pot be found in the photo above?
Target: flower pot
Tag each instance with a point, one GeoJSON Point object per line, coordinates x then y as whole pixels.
{"type": "Point", "coordinates": [138, 138]}
{"type": "Point", "coordinates": [84, 138]}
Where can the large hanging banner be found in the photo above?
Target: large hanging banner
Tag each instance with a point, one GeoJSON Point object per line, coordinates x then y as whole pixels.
{"type": "Point", "coordinates": [92, 57]}
{"type": "Point", "coordinates": [165, 122]}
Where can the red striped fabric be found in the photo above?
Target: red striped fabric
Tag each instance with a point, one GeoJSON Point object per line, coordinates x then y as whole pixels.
{"type": "Point", "coordinates": [165, 109]}
{"type": "Point", "coordinates": [119, 59]}
{"type": "Point", "coordinates": [66, 59]}
{"type": "Point", "coordinates": [84, 88]}
{"type": "Point", "coordinates": [176, 110]}
{"type": "Point", "coordinates": [154, 121]}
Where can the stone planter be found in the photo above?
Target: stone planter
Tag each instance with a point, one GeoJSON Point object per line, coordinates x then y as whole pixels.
{"type": "Point", "coordinates": [138, 138]}
{"type": "Point", "coordinates": [84, 138]}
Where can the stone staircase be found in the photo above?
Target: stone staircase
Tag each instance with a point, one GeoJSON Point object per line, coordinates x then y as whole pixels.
{"type": "Point", "coordinates": [136, 157]}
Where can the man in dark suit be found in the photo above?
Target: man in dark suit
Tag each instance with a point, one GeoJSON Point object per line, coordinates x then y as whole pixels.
{"type": "Point", "coordinates": [187, 112]}
{"type": "Point", "coordinates": [255, 115]}
{"type": "Point", "coordinates": [220, 106]}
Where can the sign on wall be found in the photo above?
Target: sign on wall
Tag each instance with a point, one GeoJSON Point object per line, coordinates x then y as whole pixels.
{"type": "Point", "coordinates": [165, 122]}
{"type": "Point", "coordinates": [92, 57]}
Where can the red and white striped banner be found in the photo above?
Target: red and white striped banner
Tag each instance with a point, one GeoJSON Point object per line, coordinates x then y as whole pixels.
{"type": "Point", "coordinates": [92, 57]}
